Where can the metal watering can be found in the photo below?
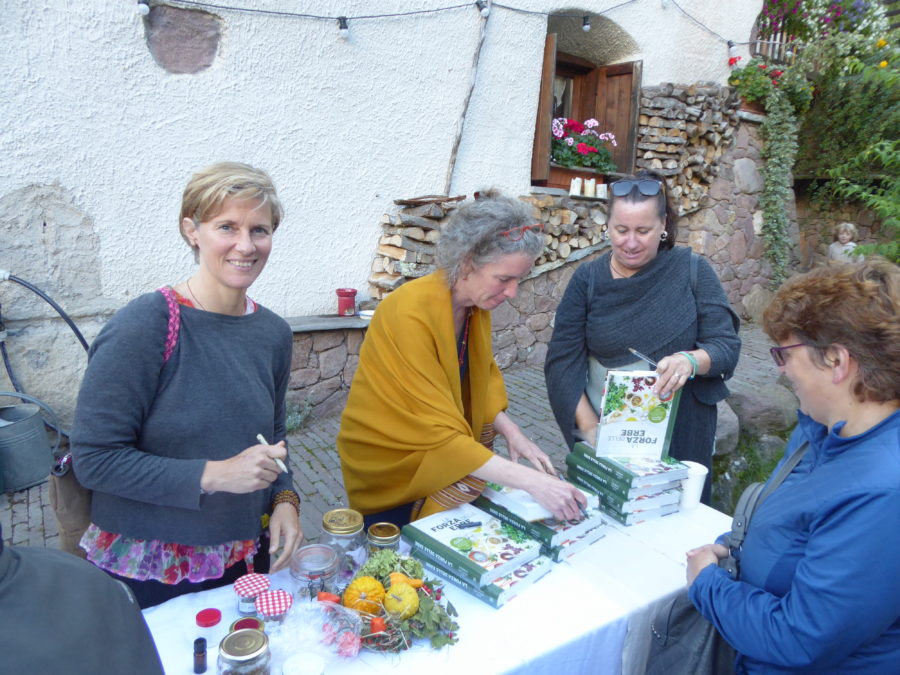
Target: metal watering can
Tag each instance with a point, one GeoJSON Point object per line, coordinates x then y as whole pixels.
{"type": "Point", "coordinates": [25, 452]}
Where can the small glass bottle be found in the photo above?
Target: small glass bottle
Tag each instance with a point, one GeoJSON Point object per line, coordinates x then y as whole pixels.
{"type": "Point", "coordinates": [314, 569]}
{"type": "Point", "coordinates": [200, 655]}
{"type": "Point", "coordinates": [382, 536]}
{"type": "Point", "coordinates": [244, 652]}
{"type": "Point", "coordinates": [342, 530]}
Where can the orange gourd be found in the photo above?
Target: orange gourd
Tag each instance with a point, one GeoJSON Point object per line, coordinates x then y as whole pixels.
{"type": "Point", "coordinates": [364, 594]}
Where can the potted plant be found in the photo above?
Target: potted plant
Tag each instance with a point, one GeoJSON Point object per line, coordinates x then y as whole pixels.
{"type": "Point", "coordinates": [753, 82]}
{"type": "Point", "coordinates": [579, 150]}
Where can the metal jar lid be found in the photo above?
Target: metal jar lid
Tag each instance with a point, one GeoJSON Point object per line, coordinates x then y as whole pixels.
{"type": "Point", "coordinates": [244, 645]}
{"type": "Point", "coordinates": [383, 533]}
{"type": "Point", "coordinates": [342, 521]}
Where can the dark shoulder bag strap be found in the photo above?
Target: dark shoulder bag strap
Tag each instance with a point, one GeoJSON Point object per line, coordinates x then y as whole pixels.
{"type": "Point", "coordinates": [752, 496]}
{"type": "Point", "coordinates": [694, 265]}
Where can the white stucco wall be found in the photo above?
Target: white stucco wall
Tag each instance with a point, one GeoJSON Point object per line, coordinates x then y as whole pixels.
{"type": "Point", "coordinates": [344, 127]}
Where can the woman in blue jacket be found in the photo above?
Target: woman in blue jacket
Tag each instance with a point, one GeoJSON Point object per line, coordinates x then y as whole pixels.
{"type": "Point", "coordinates": [819, 590]}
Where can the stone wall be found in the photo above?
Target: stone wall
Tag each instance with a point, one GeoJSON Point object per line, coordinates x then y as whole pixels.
{"type": "Point", "coordinates": [817, 226]}
{"type": "Point", "coordinates": [322, 366]}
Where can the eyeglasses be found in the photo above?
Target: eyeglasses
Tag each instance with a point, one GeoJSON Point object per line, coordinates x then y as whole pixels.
{"type": "Point", "coordinates": [778, 353]}
{"type": "Point", "coordinates": [648, 187]}
{"type": "Point", "coordinates": [516, 233]}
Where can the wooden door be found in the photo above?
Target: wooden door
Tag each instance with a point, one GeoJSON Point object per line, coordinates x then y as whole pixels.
{"type": "Point", "coordinates": [616, 107]}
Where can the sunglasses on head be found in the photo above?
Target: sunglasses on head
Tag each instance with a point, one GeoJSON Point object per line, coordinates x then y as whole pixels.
{"type": "Point", "coordinates": [649, 187]}
{"type": "Point", "coordinates": [516, 233]}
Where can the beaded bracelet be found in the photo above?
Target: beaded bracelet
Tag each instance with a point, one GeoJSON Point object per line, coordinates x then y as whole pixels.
{"type": "Point", "coordinates": [287, 497]}
{"type": "Point", "coordinates": [690, 357]}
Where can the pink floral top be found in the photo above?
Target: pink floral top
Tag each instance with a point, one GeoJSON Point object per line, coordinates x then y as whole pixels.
{"type": "Point", "coordinates": [165, 562]}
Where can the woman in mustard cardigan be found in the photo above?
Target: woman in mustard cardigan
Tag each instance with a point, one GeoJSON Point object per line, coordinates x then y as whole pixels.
{"type": "Point", "coordinates": [427, 398]}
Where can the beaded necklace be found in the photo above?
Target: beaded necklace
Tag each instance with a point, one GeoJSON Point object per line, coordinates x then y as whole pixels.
{"type": "Point", "coordinates": [465, 338]}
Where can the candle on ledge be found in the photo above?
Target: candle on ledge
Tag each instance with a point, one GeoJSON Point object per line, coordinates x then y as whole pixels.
{"type": "Point", "coordinates": [601, 191]}
{"type": "Point", "coordinates": [590, 187]}
{"type": "Point", "coordinates": [575, 187]}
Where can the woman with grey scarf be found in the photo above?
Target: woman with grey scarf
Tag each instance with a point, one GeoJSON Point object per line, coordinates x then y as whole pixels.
{"type": "Point", "coordinates": [651, 296]}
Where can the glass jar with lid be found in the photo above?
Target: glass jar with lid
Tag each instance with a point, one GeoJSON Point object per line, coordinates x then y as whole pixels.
{"type": "Point", "coordinates": [383, 536]}
{"type": "Point", "coordinates": [342, 530]}
{"type": "Point", "coordinates": [314, 569]}
{"type": "Point", "coordinates": [244, 652]}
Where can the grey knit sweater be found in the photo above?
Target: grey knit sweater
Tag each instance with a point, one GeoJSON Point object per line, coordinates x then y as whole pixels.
{"type": "Point", "coordinates": [657, 312]}
{"type": "Point", "coordinates": [143, 431]}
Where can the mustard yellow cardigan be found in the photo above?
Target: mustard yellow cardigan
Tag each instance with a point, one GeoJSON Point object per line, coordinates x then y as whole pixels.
{"type": "Point", "coordinates": [410, 427]}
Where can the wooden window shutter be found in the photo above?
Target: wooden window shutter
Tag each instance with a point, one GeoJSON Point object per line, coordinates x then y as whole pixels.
{"type": "Point", "coordinates": [540, 154]}
{"type": "Point", "coordinates": [616, 108]}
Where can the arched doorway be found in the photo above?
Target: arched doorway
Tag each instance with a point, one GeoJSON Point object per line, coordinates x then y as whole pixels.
{"type": "Point", "coordinates": [587, 74]}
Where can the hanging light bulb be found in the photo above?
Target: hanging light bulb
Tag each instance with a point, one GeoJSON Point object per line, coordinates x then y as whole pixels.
{"type": "Point", "coordinates": [732, 48]}
{"type": "Point", "coordinates": [586, 24]}
{"type": "Point", "coordinates": [483, 8]}
{"type": "Point", "coordinates": [343, 28]}
{"type": "Point", "coordinates": [143, 8]}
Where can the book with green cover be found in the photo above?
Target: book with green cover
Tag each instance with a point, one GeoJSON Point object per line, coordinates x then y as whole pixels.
{"type": "Point", "coordinates": [569, 547]}
{"type": "Point", "coordinates": [635, 421]}
{"type": "Point", "coordinates": [521, 503]}
{"type": "Point", "coordinates": [636, 517]}
{"type": "Point", "coordinates": [640, 503]}
{"type": "Point", "coordinates": [549, 531]}
{"type": "Point", "coordinates": [470, 542]}
{"type": "Point", "coordinates": [589, 467]}
{"type": "Point", "coordinates": [500, 591]}
{"type": "Point", "coordinates": [636, 471]}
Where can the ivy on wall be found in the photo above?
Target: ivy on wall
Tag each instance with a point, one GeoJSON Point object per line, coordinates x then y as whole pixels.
{"type": "Point", "coordinates": [779, 133]}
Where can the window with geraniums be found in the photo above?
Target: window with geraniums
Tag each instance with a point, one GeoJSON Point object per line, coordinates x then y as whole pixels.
{"type": "Point", "coordinates": [587, 115]}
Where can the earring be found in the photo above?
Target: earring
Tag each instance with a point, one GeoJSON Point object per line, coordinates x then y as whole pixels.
{"type": "Point", "coordinates": [664, 236]}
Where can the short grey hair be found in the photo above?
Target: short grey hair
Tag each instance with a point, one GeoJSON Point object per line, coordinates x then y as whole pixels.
{"type": "Point", "coordinates": [475, 234]}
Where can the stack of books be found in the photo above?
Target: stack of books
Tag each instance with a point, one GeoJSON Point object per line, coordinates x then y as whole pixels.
{"type": "Point", "coordinates": [559, 539]}
{"type": "Point", "coordinates": [490, 559]}
{"type": "Point", "coordinates": [630, 489]}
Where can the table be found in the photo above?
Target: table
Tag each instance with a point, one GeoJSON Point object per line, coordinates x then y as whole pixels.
{"type": "Point", "coordinates": [590, 614]}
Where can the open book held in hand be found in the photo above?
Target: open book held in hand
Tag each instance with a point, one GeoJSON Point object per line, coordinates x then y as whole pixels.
{"type": "Point", "coordinates": [523, 504]}
{"type": "Point", "coordinates": [635, 421]}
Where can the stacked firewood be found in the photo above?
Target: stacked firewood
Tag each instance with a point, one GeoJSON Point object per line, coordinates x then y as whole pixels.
{"type": "Point", "coordinates": [682, 133]}
{"type": "Point", "coordinates": [406, 248]}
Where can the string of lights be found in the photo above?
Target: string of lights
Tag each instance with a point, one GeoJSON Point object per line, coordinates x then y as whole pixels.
{"type": "Point", "coordinates": [483, 6]}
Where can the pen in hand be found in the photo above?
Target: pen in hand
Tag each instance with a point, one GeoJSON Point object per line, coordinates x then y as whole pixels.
{"type": "Point", "coordinates": [642, 356]}
{"type": "Point", "coordinates": [262, 441]}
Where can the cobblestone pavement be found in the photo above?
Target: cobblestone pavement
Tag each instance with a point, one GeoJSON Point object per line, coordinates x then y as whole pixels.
{"type": "Point", "coordinates": [27, 519]}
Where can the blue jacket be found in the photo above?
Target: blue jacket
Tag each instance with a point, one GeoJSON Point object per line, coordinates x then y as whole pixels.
{"type": "Point", "coordinates": [820, 577]}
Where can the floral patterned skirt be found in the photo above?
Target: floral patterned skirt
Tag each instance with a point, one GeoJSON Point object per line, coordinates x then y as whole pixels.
{"type": "Point", "coordinates": [167, 563]}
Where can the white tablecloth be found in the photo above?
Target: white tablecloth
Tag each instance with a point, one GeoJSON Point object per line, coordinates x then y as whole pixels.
{"type": "Point", "coordinates": [590, 614]}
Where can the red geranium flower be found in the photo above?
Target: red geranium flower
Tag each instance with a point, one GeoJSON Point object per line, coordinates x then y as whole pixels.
{"type": "Point", "coordinates": [574, 126]}
{"type": "Point", "coordinates": [732, 62]}
{"type": "Point", "coordinates": [585, 149]}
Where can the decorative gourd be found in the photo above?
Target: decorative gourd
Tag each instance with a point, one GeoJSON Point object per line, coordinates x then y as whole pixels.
{"type": "Point", "coordinates": [364, 594]}
{"type": "Point", "coordinates": [400, 578]}
{"type": "Point", "coordinates": [401, 600]}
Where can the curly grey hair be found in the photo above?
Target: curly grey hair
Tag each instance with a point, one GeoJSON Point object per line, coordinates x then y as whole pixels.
{"type": "Point", "coordinates": [474, 234]}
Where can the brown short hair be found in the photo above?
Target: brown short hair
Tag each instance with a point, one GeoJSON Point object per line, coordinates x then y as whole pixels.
{"type": "Point", "coordinates": [856, 305]}
{"type": "Point", "coordinates": [207, 190]}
